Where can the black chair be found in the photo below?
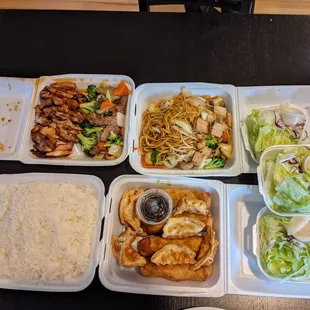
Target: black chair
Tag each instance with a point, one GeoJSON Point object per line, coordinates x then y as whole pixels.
{"type": "Point", "coordinates": [226, 6]}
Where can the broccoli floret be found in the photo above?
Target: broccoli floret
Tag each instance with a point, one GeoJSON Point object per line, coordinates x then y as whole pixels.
{"type": "Point", "coordinates": [87, 143]}
{"type": "Point", "coordinates": [92, 106]}
{"type": "Point", "coordinates": [211, 142]}
{"type": "Point", "coordinates": [92, 92]}
{"type": "Point", "coordinates": [87, 132]}
{"type": "Point", "coordinates": [216, 162]}
{"type": "Point", "coordinates": [86, 124]}
{"type": "Point", "coordinates": [108, 113]}
{"type": "Point", "coordinates": [219, 101]}
{"type": "Point", "coordinates": [113, 139]}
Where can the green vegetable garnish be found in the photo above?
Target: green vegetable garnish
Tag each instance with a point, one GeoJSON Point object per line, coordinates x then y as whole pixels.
{"type": "Point", "coordinates": [154, 156]}
{"type": "Point", "coordinates": [92, 92]}
{"type": "Point", "coordinates": [87, 143]}
{"type": "Point", "coordinates": [211, 142]}
{"type": "Point", "coordinates": [92, 106]}
{"type": "Point", "coordinates": [216, 162]}
{"type": "Point", "coordinates": [87, 132]}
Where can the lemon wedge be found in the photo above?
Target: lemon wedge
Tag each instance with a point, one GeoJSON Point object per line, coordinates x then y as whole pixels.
{"type": "Point", "coordinates": [299, 227]}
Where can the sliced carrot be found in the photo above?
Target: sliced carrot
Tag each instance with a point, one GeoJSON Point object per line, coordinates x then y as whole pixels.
{"type": "Point", "coordinates": [213, 98]}
{"type": "Point", "coordinates": [122, 131]}
{"type": "Point", "coordinates": [121, 89]}
{"type": "Point", "coordinates": [149, 166]}
{"type": "Point", "coordinates": [100, 145]}
{"type": "Point", "coordinates": [136, 148]}
{"type": "Point", "coordinates": [105, 105]}
{"type": "Point", "coordinates": [225, 136]}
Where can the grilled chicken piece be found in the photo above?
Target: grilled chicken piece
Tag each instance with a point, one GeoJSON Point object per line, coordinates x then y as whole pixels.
{"type": "Point", "coordinates": [58, 101]}
{"type": "Point", "coordinates": [45, 93]}
{"type": "Point", "coordinates": [64, 85]}
{"type": "Point", "coordinates": [40, 118]}
{"type": "Point", "coordinates": [63, 146]}
{"type": "Point", "coordinates": [72, 104]}
{"type": "Point", "coordinates": [121, 104]}
{"type": "Point", "coordinates": [66, 123]}
{"type": "Point", "coordinates": [42, 142]}
{"type": "Point", "coordinates": [76, 116]}
{"type": "Point", "coordinates": [67, 135]}
{"type": "Point", "coordinates": [45, 103]}
{"type": "Point", "coordinates": [60, 93]}
{"type": "Point", "coordinates": [58, 153]}
{"type": "Point", "coordinates": [48, 131]}
{"type": "Point", "coordinates": [106, 131]}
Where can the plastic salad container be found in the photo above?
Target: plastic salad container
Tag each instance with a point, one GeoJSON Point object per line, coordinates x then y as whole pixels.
{"type": "Point", "coordinates": [273, 125]}
{"type": "Point", "coordinates": [279, 261]}
{"type": "Point", "coordinates": [78, 283]}
{"type": "Point", "coordinates": [282, 181]}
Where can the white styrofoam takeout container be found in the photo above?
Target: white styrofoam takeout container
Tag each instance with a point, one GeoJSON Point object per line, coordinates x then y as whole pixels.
{"type": "Point", "coordinates": [16, 95]}
{"type": "Point", "coordinates": [256, 97]}
{"type": "Point", "coordinates": [145, 94]}
{"type": "Point", "coordinates": [78, 158]}
{"type": "Point", "coordinates": [244, 276]}
{"type": "Point", "coordinates": [235, 270]}
{"type": "Point", "coordinates": [75, 284]}
{"type": "Point", "coordinates": [271, 154]}
{"type": "Point", "coordinates": [118, 278]}
{"type": "Point", "coordinates": [276, 108]}
{"type": "Point", "coordinates": [262, 213]}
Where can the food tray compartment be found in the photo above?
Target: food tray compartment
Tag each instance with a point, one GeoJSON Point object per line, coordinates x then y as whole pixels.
{"type": "Point", "coordinates": [244, 129]}
{"type": "Point", "coordinates": [259, 216]}
{"type": "Point", "coordinates": [265, 96]}
{"type": "Point", "coordinates": [117, 278]}
{"type": "Point", "coordinates": [147, 93]}
{"type": "Point", "coordinates": [15, 98]}
{"type": "Point", "coordinates": [78, 158]}
{"type": "Point", "coordinates": [244, 274]}
{"type": "Point", "coordinates": [271, 154]}
{"type": "Point", "coordinates": [75, 284]}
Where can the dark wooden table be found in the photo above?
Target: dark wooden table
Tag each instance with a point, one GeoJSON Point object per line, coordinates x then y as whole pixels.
{"type": "Point", "coordinates": [240, 50]}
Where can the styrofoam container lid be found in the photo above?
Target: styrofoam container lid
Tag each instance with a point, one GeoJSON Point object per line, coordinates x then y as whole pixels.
{"type": "Point", "coordinates": [271, 154]}
{"type": "Point", "coordinates": [123, 279]}
{"type": "Point", "coordinates": [244, 130]}
{"type": "Point", "coordinates": [78, 158]}
{"type": "Point", "coordinates": [145, 94]}
{"type": "Point", "coordinates": [75, 284]}
{"type": "Point", "coordinates": [263, 212]}
{"type": "Point", "coordinates": [15, 97]}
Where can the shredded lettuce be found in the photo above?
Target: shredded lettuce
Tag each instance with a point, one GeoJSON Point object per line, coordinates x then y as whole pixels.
{"type": "Point", "coordinates": [287, 186]}
{"type": "Point", "coordinates": [282, 256]}
{"type": "Point", "coordinates": [263, 132]}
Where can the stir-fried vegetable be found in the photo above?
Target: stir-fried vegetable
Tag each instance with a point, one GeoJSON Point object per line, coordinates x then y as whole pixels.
{"type": "Point", "coordinates": [122, 89]}
{"type": "Point", "coordinates": [92, 106]}
{"type": "Point", "coordinates": [215, 163]}
{"type": "Point", "coordinates": [87, 132]}
{"type": "Point", "coordinates": [88, 143]}
{"type": "Point", "coordinates": [282, 256]}
{"type": "Point", "coordinates": [92, 92]}
{"type": "Point", "coordinates": [211, 142]}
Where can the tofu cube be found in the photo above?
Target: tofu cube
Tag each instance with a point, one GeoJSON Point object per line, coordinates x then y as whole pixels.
{"type": "Point", "coordinates": [198, 159]}
{"type": "Point", "coordinates": [202, 126]}
{"type": "Point", "coordinates": [206, 151]}
{"type": "Point", "coordinates": [220, 111]}
{"type": "Point", "coordinates": [217, 129]}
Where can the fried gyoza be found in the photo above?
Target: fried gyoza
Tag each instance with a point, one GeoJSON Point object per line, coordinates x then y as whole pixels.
{"type": "Point", "coordinates": [207, 220]}
{"type": "Point", "coordinates": [178, 194]}
{"type": "Point", "coordinates": [187, 205]}
{"type": "Point", "coordinates": [123, 252]}
{"type": "Point", "coordinates": [150, 245]}
{"type": "Point", "coordinates": [207, 250]}
{"type": "Point", "coordinates": [127, 210]}
{"type": "Point", "coordinates": [182, 227]}
{"type": "Point", "coordinates": [204, 196]}
{"type": "Point", "coordinates": [172, 254]}
{"type": "Point", "coordinates": [176, 272]}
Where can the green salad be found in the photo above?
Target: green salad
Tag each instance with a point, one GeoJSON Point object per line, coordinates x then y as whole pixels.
{"type": "Point", "coordinates": [287, 181]}
{"type": "Point", "coordinates": [282, 256]}
{"type": "Point", "coordinates": [266, 128]}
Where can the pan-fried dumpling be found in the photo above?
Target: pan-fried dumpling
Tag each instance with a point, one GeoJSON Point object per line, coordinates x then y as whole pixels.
{"type": "Point", "coordinates": [172, 254]}
{"type": "Point", "coordinates": [188, 205]}
{"type": "Point", "coordinates": [181, 227]}
{"type": "Point", "coordinates": [127, 209]}
{"type": "Point", "coordinates": [123, 252]}
{"type": "Point", "coordinates": [207, 250]}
